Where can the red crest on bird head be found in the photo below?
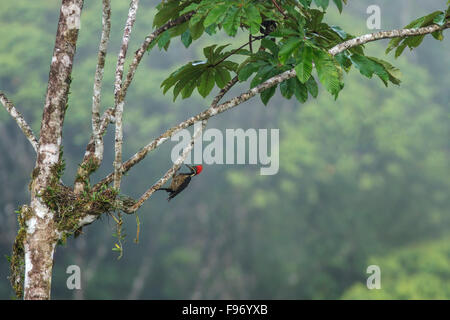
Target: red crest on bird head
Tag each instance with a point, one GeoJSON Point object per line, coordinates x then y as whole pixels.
{"type": "Point", "coordinates": [198, 169]}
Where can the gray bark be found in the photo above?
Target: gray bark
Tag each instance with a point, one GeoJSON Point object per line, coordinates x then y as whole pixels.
{"type": "Point", "coordinates": [41, 234]}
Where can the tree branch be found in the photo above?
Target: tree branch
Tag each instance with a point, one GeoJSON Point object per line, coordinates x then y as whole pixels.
{"type": "Point", "coordinates": [222, 92]}
{"type": "Point", "coordinates": [169, 174]}
{"type": "Point", "coordinates": [279, 8]}
{"type": "Point", "coordinates": [119, 98]}
{"type": "Point", "coordinates": [399, 33]}
{"type": "Point", "coordinates": [17, 116]}
{"type": "Point", "coordinates": [90, 161]}
{"type": "Point", "coordinates": [93, 155]}
{"type": "Point", "coordinates": [148, 40]}
{"type": "Point", "coordinates": [136, 158]}
{"type": "Point", "coordinates": [106, 28]}
{"type": "Point", "coordinates": [95, 146]}
{"type": "Point", "coordinates": [213, 111]}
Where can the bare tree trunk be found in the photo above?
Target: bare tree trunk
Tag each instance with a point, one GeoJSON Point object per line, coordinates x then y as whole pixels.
{"type": "Point", "coordinates": [41, 232]}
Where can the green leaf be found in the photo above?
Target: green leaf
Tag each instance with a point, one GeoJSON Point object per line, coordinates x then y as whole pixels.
{"type": "Point", "coordinates": [271, 45]}
{"type": "Point", "coordinates": [287, 88]}
{"type": "Point", "coordinates": [254, 18]}
{"type": "Point", "coordinates": [262, 75]}
{"type": "Point", "coordinates": [394, 73]}
{"type": "Point", "coordinates": [285, 32]}
{"type": "Point", "coordinates": [267, 94]}
{"type": "Point", "coordinates": [222, 77]}
{"type": "Point", "coordinates": [165, 13]}
{"type": "Point", "coordinates": [438, 35]}
{"type": "Point", "coordinates": [230, 65]}
{"type": "Point", "coordinates": [304, 67]}
{"type": "Point", "coordinates": [305, 3]}
{"type": "Point", "coordinates": [188, 78]}
{"type": "Point", "coordinates": [368, 67]}
{"type": "Point", "coordinates": [186, 92]}
{"type": "Point", "coordinates": [216, 15]}
{"type": "Point", "coordinates": [182, 84]}
{"type": "Point", "coordinates": [339, 31]}
{"type": "Point", "coordinates": [414, 41]}
{"type": "Point", "coordinates": [179, 30]}
{"type": "Point", "coordinates": [250, 68]}
{"type": "Point", "coordinates": [328, 73]}
{"type": "Point", "coordinates": [312, 87]}
{"type": "Point", "coordinates": [211, 29]}
{"type": "Point", "coordinates": [186, 38]}
{"type": "Point", "coordinates": [176, 76]}
{"type": "Point", "coordinates": [344, 61]}
{"type": "Point", "coordinates": [164, 39]}
{"type": "Point", "coordinates": [206, 82]}
{"type": "Point", "coordinates": [189, 8]}
{"type": "Point", "coordinates": [400, 49]}
{"type": "Point", "coordinates": [288, 48]}
{"type": "Point", "coordinates": [338, 4]}
{"type": "Point", "coordinates": [300, 91]}
{"type": "Point", "coordinates": [232, 21]}
{"type": "Point", "coordinates": [209, 52]}
{"type": "Point", "coordinates": [197, 17]}
{"type": "Point", "coordinates": [196, 30]}
{"type": "Point", "coordinates": [322, 3]}
{"type": "Point", "coordinates": [440, 19]}
{"type": "Point", "coordinates": [218, 55]}
{"type": "Point", "coordinates": [393, 44]}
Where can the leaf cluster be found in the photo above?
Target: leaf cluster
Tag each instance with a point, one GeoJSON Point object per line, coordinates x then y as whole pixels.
{"type": "Point", "coordinates": [300, 41]}
{"type": "Point", "coordinates": [438, 17]}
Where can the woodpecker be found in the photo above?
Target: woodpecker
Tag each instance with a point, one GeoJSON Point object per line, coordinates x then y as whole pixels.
{"type": "Point", "coordinates": [181, 180]}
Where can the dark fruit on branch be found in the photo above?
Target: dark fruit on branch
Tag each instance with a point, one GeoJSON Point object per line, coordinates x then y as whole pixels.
{"type": "Point", "coordinates": [267, 27]}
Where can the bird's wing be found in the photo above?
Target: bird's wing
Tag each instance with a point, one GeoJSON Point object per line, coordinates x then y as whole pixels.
{"type": "Point", "coordinates": [182, 186]}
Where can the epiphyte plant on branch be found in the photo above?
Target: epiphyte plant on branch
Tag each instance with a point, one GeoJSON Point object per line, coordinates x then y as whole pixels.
{"type": "Point", "coordinates": [294, 41]}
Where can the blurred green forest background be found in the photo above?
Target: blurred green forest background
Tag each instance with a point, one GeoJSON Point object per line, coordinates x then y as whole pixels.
{"type": "Point", "coordinates": [363, 180]}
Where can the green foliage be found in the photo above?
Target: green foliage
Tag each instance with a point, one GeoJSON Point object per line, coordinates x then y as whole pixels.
{"type": "Point", "coordinates": [300, 41]}
{"type": "Point", "coordinates": [354, 182]}
{"type": "Point", "coordinates": [304, 67]}
{"type": "Point", "coordinates": [201, 74]}
{"type": "Point", "coordinates": [413, 272]}
{"type": "Point", "coordinates": [438, 17]}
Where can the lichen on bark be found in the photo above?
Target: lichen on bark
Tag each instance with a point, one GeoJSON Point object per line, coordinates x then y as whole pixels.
{"type": "Point", "coordinates": [17, 259]}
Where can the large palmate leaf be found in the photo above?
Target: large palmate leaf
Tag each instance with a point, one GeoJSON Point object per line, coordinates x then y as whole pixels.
{"type": "Point", "coordinates": [328, 72]}
{"type": "Point", "coordinates": [304, 66]}
{"type": "Point", "coordinates": [203, 74]}
{"type": "Point", "coordinates": [299, 39]}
